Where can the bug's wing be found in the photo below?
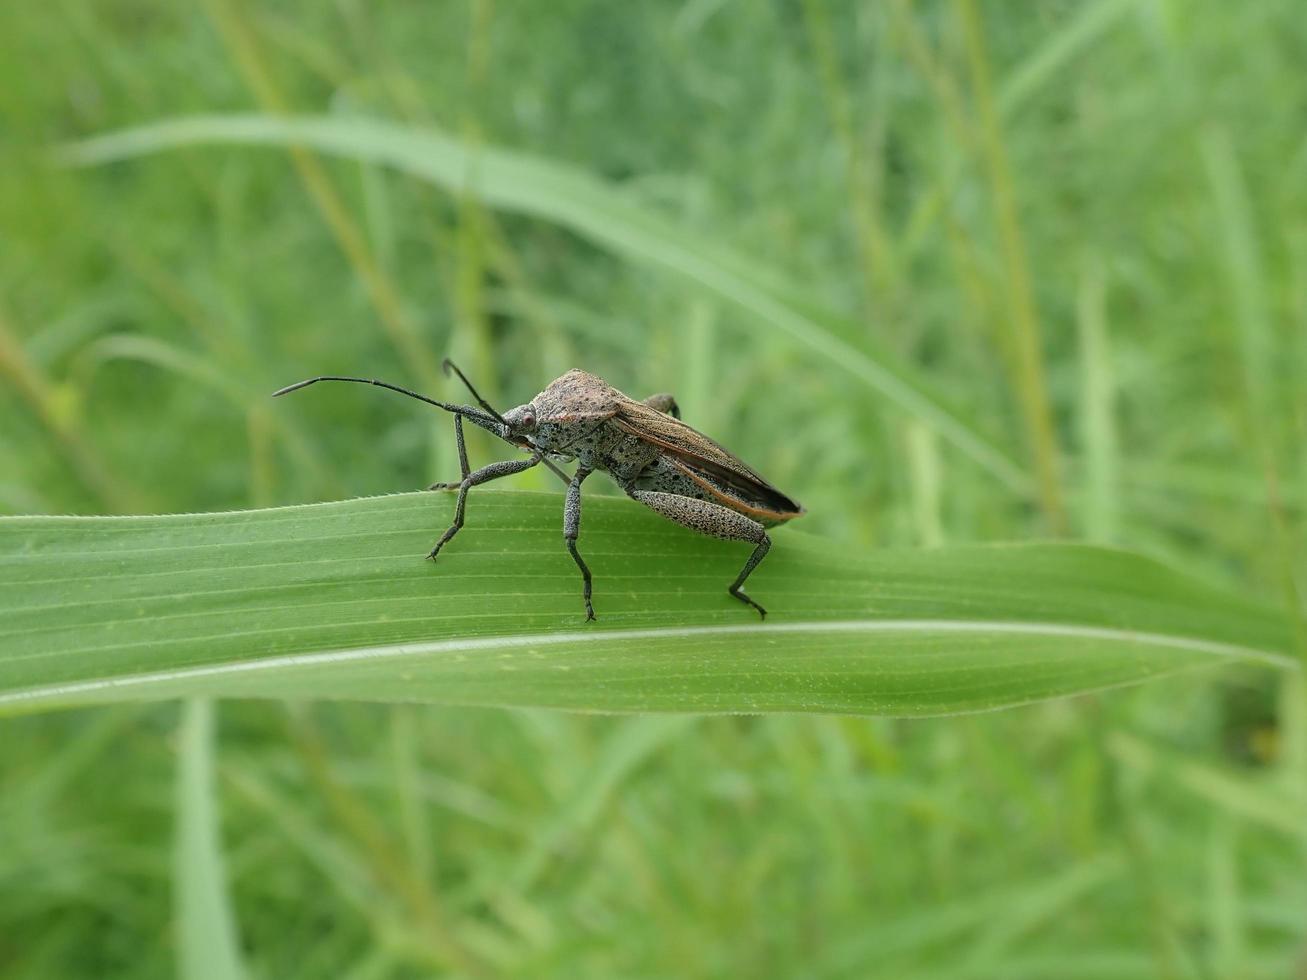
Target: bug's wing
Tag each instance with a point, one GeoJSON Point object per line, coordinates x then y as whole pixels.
{"type": "Point", "coordinates": [696, 451]}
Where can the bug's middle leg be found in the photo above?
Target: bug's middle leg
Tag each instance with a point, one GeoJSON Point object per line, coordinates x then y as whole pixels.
{"type": "Point", "coordinates": [484, 475]}
{"type": "Point", "coordinates": [571, 530]}
{"type": "Point", "coordinates": [716, 520]}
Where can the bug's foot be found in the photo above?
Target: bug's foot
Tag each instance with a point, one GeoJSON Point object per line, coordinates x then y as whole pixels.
{"type": "Point", "coordinates": [762, 613]}
{"type": "Point", "coordinates": [443, 486]}
{"type": "Point", "coordinates": [589, 613]}
{"type": "Point", "coordinates": [444, 540]}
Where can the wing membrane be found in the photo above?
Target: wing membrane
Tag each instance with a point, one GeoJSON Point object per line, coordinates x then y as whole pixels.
{"type": "Point", "coordinates": [699, 453]}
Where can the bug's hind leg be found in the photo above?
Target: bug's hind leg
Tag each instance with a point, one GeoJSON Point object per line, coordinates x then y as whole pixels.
{"type": "Point", "coordinates": [716, 520]}
{"type": "Point", "coordinates": [664, 403]}
{"type": "Point", "coordinates": [759, 553]}
{"type": "Point", "coordinates": [484, 475]}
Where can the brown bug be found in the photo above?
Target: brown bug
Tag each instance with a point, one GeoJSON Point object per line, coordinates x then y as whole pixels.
{"type": "Point", "coordinates": [648, 451]}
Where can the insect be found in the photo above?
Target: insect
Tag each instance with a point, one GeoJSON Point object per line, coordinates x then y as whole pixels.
{"type": "Point", "coordinates": [657, 459]}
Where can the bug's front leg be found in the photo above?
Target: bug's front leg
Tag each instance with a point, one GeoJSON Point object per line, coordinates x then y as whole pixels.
{"type": "Point", "coordinates": [465, 471]}
{"type": "Point", "coordinates": [463, 465]}
{"type": "Point", "coordinates": [484, 475]}
{"type": "Point", "coordinates": [572, 528]}
{"type": "Point", "coordinates": [716, 520]}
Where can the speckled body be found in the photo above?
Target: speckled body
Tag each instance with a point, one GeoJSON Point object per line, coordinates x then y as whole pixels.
{"type": "Point", "coordinates": [649, 452]}
{"type": "Point", "coordinates": [582, 417]}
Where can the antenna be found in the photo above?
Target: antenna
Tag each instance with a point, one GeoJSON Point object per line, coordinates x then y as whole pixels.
{"type": "Point", "coordinates": [493, 418]}
{"type": "Point", "coordinates": [456, 409]}
{"type": "Point", "coordinates": [448, 366]}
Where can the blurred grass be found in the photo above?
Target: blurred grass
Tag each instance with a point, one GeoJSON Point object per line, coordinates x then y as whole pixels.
{"type": "Point", "coordinates": [1149, 159]}
{"type": "Point", "coordinates": [206, 932]}
{"type": "Point", "coordinates": [541, 188]}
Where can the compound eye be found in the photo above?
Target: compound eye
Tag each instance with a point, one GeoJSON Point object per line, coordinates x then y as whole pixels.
{"type": "Point", "coordinates": [528, 419]}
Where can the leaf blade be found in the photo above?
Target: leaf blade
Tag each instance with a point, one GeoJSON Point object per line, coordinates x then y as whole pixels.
{"type": "Point", "coordinates": [334, 600]}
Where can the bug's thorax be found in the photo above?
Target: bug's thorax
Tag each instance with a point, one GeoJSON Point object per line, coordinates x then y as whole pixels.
{"type": "Point", "coordinates": [596, 444]}
{"type": "Point", "coordinates": [568, 418]}
{"type": "Point", "coordinates": [577, 394]}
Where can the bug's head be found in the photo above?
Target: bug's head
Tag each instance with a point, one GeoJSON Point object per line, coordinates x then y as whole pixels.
{"type": "Point", "coordinates": [521, 421]}
{"type": "Point", "coordinates": [530, 426]}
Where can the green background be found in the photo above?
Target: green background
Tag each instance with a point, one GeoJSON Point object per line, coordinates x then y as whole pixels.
{"type": "Point", "coordinates": [1077, 230]}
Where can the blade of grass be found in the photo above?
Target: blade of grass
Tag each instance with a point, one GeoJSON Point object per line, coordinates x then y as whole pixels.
{"type": "Point", "coordinates": [924, 469]}
{"type": "Point", "coordinates": [544, 189]}
{"type": "Point", "coordinates": [861, 168]}
{"type": "Point", "coordinates": [1097, 405]}
{"type": "Point", "coordinates": [335, 601]}
{"type": "Point", "coordinates": [1258, 350]}
{"type": "Point", "coordinates": [1023, 322]}
{"type": "Point", "coordinates": [406, 773]}
{"type": "Point", "coordinates": [1224, 901]}
{"type": "Point", "coordinates": [207, 946]}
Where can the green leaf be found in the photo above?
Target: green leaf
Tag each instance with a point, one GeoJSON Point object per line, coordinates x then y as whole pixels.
{"type": "Point", "coordinates": [335, 601]}
{"type": "Point", "coordinates": [590, 207]}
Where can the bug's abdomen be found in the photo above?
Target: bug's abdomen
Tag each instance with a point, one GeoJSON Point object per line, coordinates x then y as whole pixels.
{"type": "Point", "coordinates": [668, 476]}
{"type": "Point", "coordinates": [626, 457]}
{"type": "Point", "coordinates": [665, 477]}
